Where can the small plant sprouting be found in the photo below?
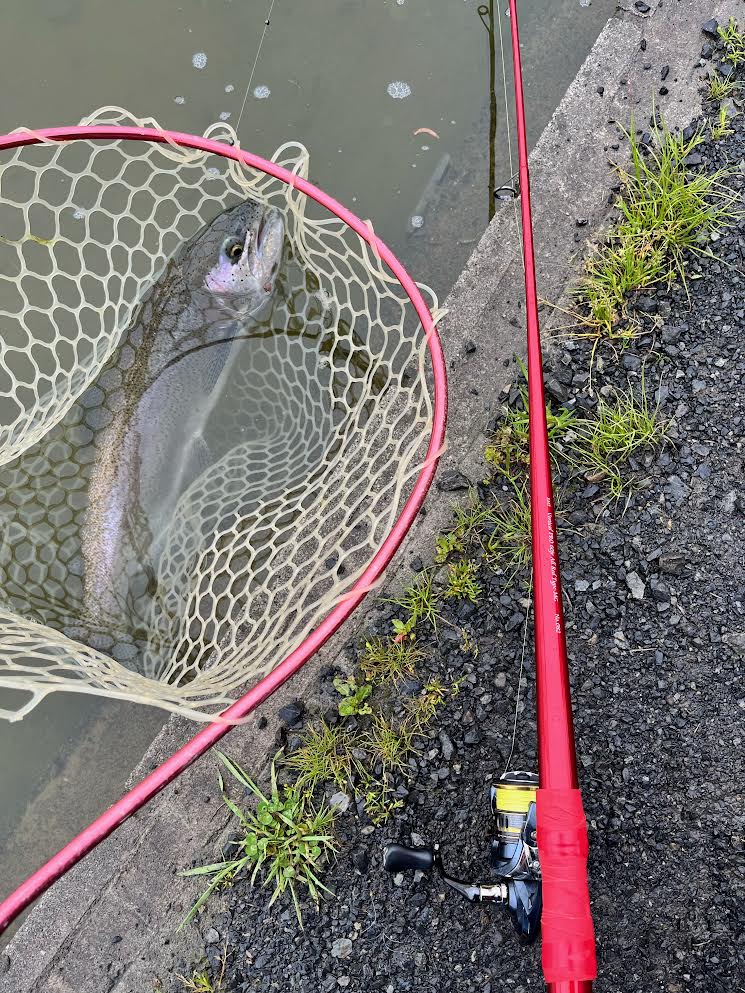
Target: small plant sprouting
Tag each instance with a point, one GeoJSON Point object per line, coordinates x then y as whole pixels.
{"type": "Point", "coordinates": [421, 603]}
{"type": "Point", "coordinates": [379, 802]}
{"type": "Point", "coordinates": [462, 583]}
{"type": "Point", "coordinates": [622, 425]}
{"type": "Point", "coordinates": [508, 454]}
{"type": "Point", "coordinates": [200, 981]}
{"type": "Point", "coordinates": [324, 756]}
{"type": "Point", "coordinates": [721, 129]}
{"type": "Point", "coordinates": [285, 840]}
{"type": "Point", "coordinates": [468, 644]}
{"type": "Point", "coordinates": [354, 700]}
{"type": "Point", "coordinates": [389, 745]}
{"type": "Point", "coordinates": [445, 545]}
{"type": "Point", "coordinates": [423, 708]}
{"type": "Point", "coordinates": [386, 660]}
{"type": "Point", "coordinates": [719, 87]}
{"type": "Point", "coordinates": [734, 42]}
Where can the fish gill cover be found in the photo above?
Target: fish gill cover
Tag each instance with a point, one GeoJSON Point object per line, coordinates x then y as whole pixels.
{"type": "Point", "coordinates": [213, 403]}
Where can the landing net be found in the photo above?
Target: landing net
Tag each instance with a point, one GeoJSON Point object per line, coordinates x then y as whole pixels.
{"type": "Point", "coordinates": [316, 438]}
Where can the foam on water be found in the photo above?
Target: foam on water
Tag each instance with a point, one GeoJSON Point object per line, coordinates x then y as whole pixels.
{"type": "Point", "coordinates": [399, 90]}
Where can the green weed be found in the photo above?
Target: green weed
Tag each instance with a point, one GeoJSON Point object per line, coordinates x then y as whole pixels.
{"type": "Point", "coordinates": [719, 87]}
{"type": "Point", "coordinates": [389, 745]}
{"type": "Point", "coordinates": [200, 981]}
{"type": "Point", "coordinates": [421, 603]}
{"type": "Point", "coordinates": [386, 660]}
{"type": "Point", "coordinates": [468, 644]}
{"type": "Point", "coordinates": [445, 545]}
{"type": "Point", "coordinates": [509, 453]}
{"type": "Point", "coordinates": [380, 802]}
{"type": "Point", "coordinates": [507, 544]}
{"type": "Point", "coordinates": [422, 709]}
{"type": "Point", "coordinates": [622, 426]}
{"type": "Point", "coordinates": [721, 129]}
{"type": "Point", "coordinates": [325, 755]}
{"type": "Point", "coordinates": [734, 42]}
{"type": "Point", "coordinates": [627, 262]}
{"type": "Point", "coordinates": [664, 210]}
{"type": "Point", "coordinates": [285, 840]}
{"type": "Point", "coordinates": [354, 700]}
{"type": "Point", "coordinates": [462, 583]}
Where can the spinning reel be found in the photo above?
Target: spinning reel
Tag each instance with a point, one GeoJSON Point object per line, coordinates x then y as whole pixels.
{"type": "Point", "coordinates": [514, 856]}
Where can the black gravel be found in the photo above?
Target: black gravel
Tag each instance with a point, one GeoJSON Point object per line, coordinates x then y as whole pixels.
{"type": "Point", "coordinates": [656, 629]}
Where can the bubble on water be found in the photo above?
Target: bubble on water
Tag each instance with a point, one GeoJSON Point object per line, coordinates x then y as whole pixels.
{"type": "Point", "coordinates": [417, 221]}
{"type": "Point", "coordinates": [179, 100]}
{"type": "Point", "coordinates": [213, 171]}
{"type": "Point", "coordinates": [78, 214]}
{"type": "Point", "coordinates": [229, 88]}
{"type": "Point", "coordinates": [199, 60]}
{"type": "Point", "coordinates": [225, 115]}
{"type": "Point", "coordinates": [262, 92]}
{"type": "Point", "coordinates": [400, 3]}
{"type": "Point", "coordinates": [425, 148]}
{"type": "Point", "coordinates": [399, 90]}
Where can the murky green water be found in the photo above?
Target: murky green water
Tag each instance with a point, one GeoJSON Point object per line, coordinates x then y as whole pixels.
{"type": "Point", "coordinates": [351, 79]}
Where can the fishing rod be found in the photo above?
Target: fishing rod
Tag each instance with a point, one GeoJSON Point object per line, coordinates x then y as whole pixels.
{"type": "Point", "coordinates": [539, 852]}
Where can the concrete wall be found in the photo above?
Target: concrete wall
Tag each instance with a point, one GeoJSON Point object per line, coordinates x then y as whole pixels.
{"type": "Point", "coordinates": [110, 925]}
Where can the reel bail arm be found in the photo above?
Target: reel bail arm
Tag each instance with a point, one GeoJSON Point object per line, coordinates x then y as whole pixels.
{"type": "Point", "coordinates": [514, 856]}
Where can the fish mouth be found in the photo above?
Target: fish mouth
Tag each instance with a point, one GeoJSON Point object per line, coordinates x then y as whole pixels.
{"type": "Point", "coordinates": [267, 243]}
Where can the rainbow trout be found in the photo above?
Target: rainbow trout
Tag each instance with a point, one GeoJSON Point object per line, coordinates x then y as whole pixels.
{"type": "Point", "coordinates": [85, 513]}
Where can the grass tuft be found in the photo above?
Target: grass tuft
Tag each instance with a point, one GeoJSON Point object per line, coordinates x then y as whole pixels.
{"type": "Point", "coordinates": [423, 708]}
{"type": "Point", "coordinates": [200, 982]}
{"type": "Point", "coordinates": [389, 745]}
{"type": "Point", "coordinates": [507, 541]}
{"type": "Point", "coordinates": [719, 87]}
{"type": "Point", "coordinates": [734, 42]}
{"type": "Point", "coordinates": [463, 581]}
{"type": "Point", "coordinates": [324, 756]}
{"type": "Point", "coordinates": [285, 840]}
{"type": "Point", "coordinates": [386, 660]}
{"type": "Point", "coordinates": [508, 455]}
{"type": "Point", "coordinates": [664, 210]}
{"type": "Point", "coordinates": [622, 426]}
{"type": "Point", "coordinates": [421, 603]}
{"type": "Point", "coordinates": [721, 129]}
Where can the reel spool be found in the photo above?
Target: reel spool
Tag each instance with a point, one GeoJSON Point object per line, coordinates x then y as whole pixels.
{"type": "Point", "coordinates": [514, 856]}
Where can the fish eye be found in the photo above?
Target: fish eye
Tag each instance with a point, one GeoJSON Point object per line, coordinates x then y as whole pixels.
{"type": "Point", "coordinates": [233, 248]}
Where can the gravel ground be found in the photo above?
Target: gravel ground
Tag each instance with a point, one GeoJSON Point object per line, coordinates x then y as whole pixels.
{"type": "Point", "coordinates": [656, 630]}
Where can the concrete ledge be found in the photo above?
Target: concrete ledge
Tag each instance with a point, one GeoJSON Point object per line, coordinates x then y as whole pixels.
{"type": "Point", "coordinates": [110, 925]}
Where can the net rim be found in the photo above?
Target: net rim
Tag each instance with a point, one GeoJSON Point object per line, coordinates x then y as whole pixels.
{"type": "Point", "coordinates": [208, 736]}
{"type": "Point", "coordinates": [381, 559]}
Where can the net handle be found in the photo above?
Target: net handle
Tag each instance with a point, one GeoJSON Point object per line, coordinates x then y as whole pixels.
{"type": "Point", "coordinates": [151, 785]}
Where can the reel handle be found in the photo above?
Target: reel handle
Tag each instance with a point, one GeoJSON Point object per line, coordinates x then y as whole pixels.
{"type": "Point", "coordinates": [399, 858]}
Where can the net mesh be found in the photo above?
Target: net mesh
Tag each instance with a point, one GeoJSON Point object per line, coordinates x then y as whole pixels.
{"type": "Point", "coordinates": [316, 430]}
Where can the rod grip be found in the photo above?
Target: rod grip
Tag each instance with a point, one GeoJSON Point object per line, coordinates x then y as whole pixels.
{"type": "Point", "coordinates": [568, 942]}
{"type": "Point", "coordinates": [398, 858]}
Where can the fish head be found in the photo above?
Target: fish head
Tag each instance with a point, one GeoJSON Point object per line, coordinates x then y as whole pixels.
{"type": "Point", "coordinates": [243, 267]}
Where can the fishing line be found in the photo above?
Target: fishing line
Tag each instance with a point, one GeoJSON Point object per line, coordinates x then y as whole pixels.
{"type": "Point", "coordinates": [522, 670]}
{"type": "Point", "coordinates": [509, 138]}
{"type": "Point", "coordinates": [267, 21]}
{"type": "Point", "coordinates": [516, 190]}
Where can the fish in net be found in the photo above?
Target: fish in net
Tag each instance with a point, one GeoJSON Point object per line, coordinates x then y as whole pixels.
{"type": "Point", "coordinates": [214, 401]}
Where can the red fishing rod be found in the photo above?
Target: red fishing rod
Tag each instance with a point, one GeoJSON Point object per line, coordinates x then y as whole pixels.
{"type": "Point", "coordinates": [568, 943]}
{"type": "Point", "coordinates": [539, 854]}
